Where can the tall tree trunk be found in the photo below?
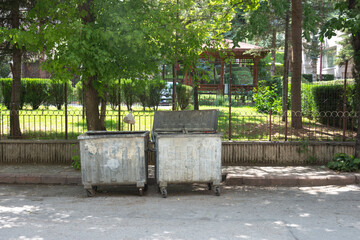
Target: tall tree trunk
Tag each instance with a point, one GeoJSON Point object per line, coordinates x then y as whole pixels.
{"type": "Point", "coordinates": [296, 30]}
{"type": "Point", "coordinates": [273, 52]}
{"type": "Point", "coordinates": [314, 69]}
{"type": "Point", "coordinates": [103, 110]}
{"type": "Point", "coordinates": [353, 6]}
{"type": "Point", "coordinates": [286, 66]}
{"type": "Point", "coordinates": [15, 131]}
{"type": "Point", "coordinates": [91, 95]}
{"type": "Point", "coordinates": [92, 102]}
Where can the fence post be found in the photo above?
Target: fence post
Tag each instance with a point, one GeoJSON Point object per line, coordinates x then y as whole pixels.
{"type": "Point", "coordinates": [286, 124]}
{"type": "Point", "coordinates": [270, 125]}
{"type": "Point", "coordinates": [230, 127]}
{"type": "Point", "coordinates": [66, 112]}
{"type": "Point", "coordinates": [119, 111]}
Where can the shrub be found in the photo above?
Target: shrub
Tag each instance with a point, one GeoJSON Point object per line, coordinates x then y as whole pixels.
{"type": "Point", "coordinates": [266, 99]}
{"type": "Point", "coordinates": [328, 77]}
{"type": "Point", "coordinates": [128, 92]}
{"type": "Point", "coordinates": [308, 77]}
{"type": "Point", "coordinates": [79, 92]}
{"type": "Point", "coordinates": [36, 91]}
{"type": "Point", "coordinates": [274, 82]}
{"type": "Point", "coordinates": [344, 162]}
{"type": "Point", "coordinates": [113, 94]}
{"type": "Point", "coordinates": [156, 88]}
{"type": "Point", "coordinates": [141, 91]}
{"type": "Point", "coordinates": [56, 93]}
{"type": "Point", "coordinates": [6, 86]}
{"type": "Point", "coordinates": [184, 94]}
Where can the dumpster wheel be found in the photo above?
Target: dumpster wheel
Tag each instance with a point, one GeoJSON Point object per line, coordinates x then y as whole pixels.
{"type": "Point", "coordinates": [163, 192]}
{"type": "Point", "coordinates": [217, 190]}
{"type": "Point", "coordinates": [90, 192]}
{"type": "Point", "coordinates": [141, 192]}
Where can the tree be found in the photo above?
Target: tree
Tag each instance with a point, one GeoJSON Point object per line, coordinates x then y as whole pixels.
{"type": "Point", "coordinates": [296, 32]}
{"type": "Point", "coordinates": [262, 24]}
{"type": "Point", "coordinates": [104, 40]}
{"type": "Point", "coordinates": [348, 21]}
{"type": "Point", "coordinates": [316, 13]}
{"type": "Point", "coordinates": [13, 22]}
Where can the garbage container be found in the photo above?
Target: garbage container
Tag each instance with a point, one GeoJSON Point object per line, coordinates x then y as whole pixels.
{"type": "Point", "coordinates": [188, 148]}
{"type": "Point", "coordinates": [113, 158]}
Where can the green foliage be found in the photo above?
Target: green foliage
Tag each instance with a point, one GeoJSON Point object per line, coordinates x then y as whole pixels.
{"type": "Point", "coordinates": [142, 89]}
{"type": "Point", "coordinates": [76, 162]}
{"type": "Point", "coordinates": [308, 77]}
{"type": "Point", "coordinates": [6, 86]}
{"type": "Point", "coordinates": [36, 91]}
{"type": "Point", "coordinates": [279, 57]}
{"type": "Point", "coordinates": [156, 88]}
{"type": "Point", "coordinates": [266, 99]}
{"type": "Point", "coordinates": [275, 82]}
{"type": "Point", "coordinates": [128, 91]}
{"type": "Point", "coordinates": [4, 70]}
{"type": "Point", "coordinates": [56, 93]}
{"type": "Point", "coordinates": [344, 162]}
{"type": "Point", "coordinates": [325, 77]}
{"type": "Point", "coordinates": [78, 92]}
{"type": "Point", "coordinates": [183, 95]}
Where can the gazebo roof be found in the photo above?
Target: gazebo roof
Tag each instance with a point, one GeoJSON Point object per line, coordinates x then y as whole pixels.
{"type": "Point", "coordinates": [243, 51]}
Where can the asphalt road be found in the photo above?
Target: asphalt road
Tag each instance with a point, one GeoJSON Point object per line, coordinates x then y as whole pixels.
{"type": "Point", "coordinates": [190, 212]}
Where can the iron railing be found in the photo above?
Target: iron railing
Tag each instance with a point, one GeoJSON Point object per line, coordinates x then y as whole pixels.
{"type": "Point", "coordinates": [247, 126]}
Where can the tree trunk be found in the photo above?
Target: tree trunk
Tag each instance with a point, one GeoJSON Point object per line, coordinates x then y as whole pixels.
{"type": "Point", "coordinates": [196, 97]}
{"type": "Point", "coordinates": [273, 52]}
{"type": "Point", "coordinates": [353, 6]}
{"type": "Point", "coordinates": [103, 111]}
{"type": "Point", "coordinates": [91, 95]}
{"type": "Point", "coordinates": [296, 30]}
{"type": "Point", "coordinates": [286, 67]}
{"type": "Point", "coordinates": [92, 102]}
{"type": "Point", "coordinates": [15, 131]}
{"type": "Point", "coordinates": [314, 69]}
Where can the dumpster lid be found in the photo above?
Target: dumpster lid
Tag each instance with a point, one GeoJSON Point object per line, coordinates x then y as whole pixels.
{"type": "Point", "coordinates": [188, 121]}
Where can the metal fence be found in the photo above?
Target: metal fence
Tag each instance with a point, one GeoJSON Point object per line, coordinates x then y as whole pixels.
{"type": "Point", "coordinates": [243, 125]}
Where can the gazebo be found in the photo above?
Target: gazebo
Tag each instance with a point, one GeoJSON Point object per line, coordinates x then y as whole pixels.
{"type": "Point", "coordinates": [241, 67]}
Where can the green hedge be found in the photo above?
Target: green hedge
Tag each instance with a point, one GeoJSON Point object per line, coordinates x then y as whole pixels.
{"type": "Point", "coordinates": [184, 95]}
{"type": "Point", "coordinates": [35, 92]}
{"type": "Point", "coordinates": [325, 77]}
{"type": "Point", "coordinates": [318, 100]}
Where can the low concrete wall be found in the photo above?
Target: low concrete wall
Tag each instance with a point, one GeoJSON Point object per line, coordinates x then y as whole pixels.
{"type": "Point", "coordinates": [233, 153]}
{"type": "Point", "coordinates": [282, 153]}
{"type": "Point", "coordinates": [38, 151]}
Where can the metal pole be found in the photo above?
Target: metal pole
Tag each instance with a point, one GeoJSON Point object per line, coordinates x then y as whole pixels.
{"type": "Point", "coordinates": [119, 111]}
{"type": "Point", "coordinates": [66, 112]}
{"type": "Point", "coordinates": [230, 127]}
{"type": "Point", "coordinates": [270, 125]}
{"type": "Point", "coordinates": [286, 123]}
{"type": "Point", "coordinates": [344, 102]}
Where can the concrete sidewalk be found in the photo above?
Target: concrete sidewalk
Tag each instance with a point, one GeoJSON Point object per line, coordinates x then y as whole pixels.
{"type": "Point", "coordinates": [232, 175]}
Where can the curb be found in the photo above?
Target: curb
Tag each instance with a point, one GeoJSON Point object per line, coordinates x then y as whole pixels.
{"type": "Point", "coordinates": [292, 181]}
{"type": "Point", "coordinates": [229, 179]}
{"type": "Point", "coordinates": [62, 179]}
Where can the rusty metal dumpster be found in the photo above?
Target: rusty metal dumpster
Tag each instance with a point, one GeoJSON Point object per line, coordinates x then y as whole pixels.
{"type": "Point", "coordinates": [188, 148]}
{"type": "Point", "coordinates": [113, 158]}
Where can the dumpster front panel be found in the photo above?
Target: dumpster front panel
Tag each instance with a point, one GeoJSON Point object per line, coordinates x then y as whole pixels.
{"type": "Point", "coordinates": [112, 161]}
{"type": "Point", "coordinates": [187, 158]}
